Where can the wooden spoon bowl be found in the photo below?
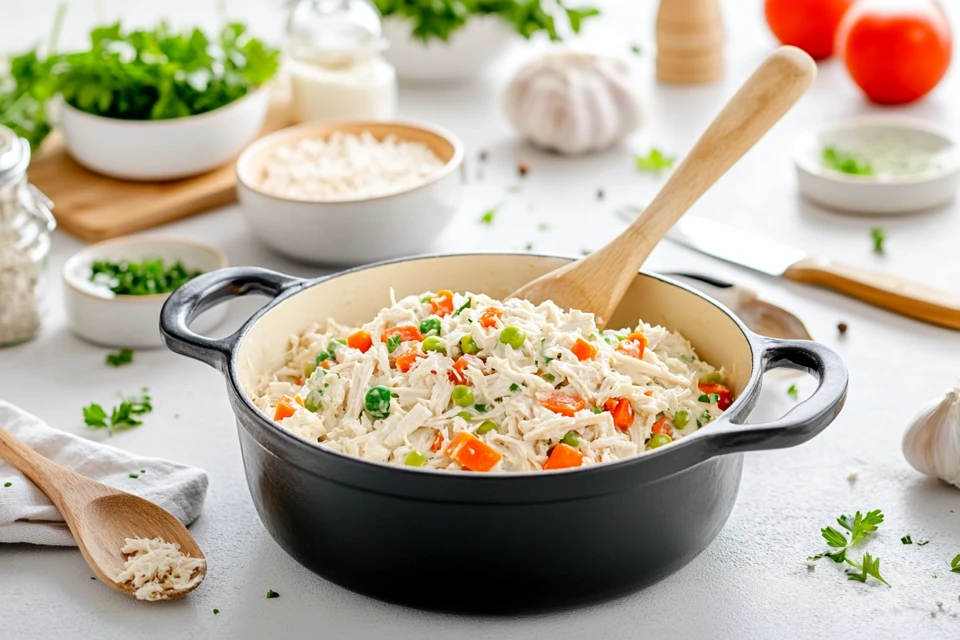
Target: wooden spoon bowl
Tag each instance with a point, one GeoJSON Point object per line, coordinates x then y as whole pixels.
{"type": "Point", "coordinates": [100, 518]}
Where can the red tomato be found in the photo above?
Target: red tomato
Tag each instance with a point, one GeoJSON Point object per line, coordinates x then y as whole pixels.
{"type": "Point", "coordinates": [808, 24]}
{"type": "Point", "coordinates": [896, 51]}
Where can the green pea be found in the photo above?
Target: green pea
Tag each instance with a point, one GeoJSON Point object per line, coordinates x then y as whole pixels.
{"type": "Point", "coordinates": [486, 427]}
{"type": "Point", "coordinates": [462, 396]}
{"type": "Point", "coordinates": [513, 336]}
{"type": "Point", "coordinates": [427, 297]}
{"type": "Point", "coordinates": [434, 343]}
{"type": "Point", "coordinates": [314, 401]}
{"type": "Point", "coordinates": [309, 368]}
{"type": "Point", "coordinates": [658, 440]}
{"type": "Point", "coordinates": [324, 355]}
{"type": "Point", "coordinates": [468, 344]}
{"type": "Point", "coordinates": [428, 325]}
{"type": "Point", "coordinates": [377, 402]}
{"type": "Point", "coordinates": [416, 459]}
{"type": "Point", "coordinates": [466, 415]}
{"type": "Point", "coordinates": [714, 377]}
{"type": "Point", "coordinates": [681, 418]}
{"type": "Point", "coordinates": [571, 439]}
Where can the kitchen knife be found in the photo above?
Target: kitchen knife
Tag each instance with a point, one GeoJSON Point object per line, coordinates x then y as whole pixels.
{"type": "Point", "coordinates": [759, 315]}
{"type": "Point", "coordinates": [890, 292]}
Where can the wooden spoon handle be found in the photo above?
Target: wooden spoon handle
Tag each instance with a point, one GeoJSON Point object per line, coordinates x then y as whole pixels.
{"type": "Point", "coordinates": [47, 475]}
{"type": "Point", "coordinates": [884, 290]}
{"type": "Point", "coordinates": [762, 100]}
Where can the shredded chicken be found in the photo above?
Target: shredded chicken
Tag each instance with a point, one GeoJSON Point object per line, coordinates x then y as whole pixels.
{"type": "Point", "coordinates": [157, 568]}
{"type": "Point", "coordinates": [508, 384]}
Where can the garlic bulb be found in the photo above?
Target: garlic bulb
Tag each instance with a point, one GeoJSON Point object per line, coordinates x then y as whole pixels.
{"type": "Point", "coordinates": [932, 442]}
{"type": "Point", "coordinates": [574, 102]}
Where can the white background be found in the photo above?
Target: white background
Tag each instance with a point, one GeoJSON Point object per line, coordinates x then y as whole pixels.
{"type": "Point", "coordinates": [751, 583]}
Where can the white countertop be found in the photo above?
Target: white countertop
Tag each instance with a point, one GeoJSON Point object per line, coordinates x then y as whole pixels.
{"type": "Point", "coordinates": [752, 582]}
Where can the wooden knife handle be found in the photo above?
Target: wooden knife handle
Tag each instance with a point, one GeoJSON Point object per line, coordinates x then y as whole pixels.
{"type": "Point", "coordinates": [890, 292]}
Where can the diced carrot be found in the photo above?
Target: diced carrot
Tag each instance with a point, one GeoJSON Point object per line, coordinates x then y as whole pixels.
{"type": "Point", "coordinates": [406, 332]}
{"type": "Point", "coordinates": [648, 392]}
{"type": "Point", "coordinates": [583, 349]}
{"type": "Point", "coordinates": [300, 380]}
{"type": "Point", "coordinates": [324, 364]}
{"type": "Point", "coordinates": [285, 409]}
{"type": "Point", "coordinates": [360, 340]}
{"type": "Point", "coordinates": [661, 426]}
{"type": "Point", "coordinates": [456, 374]}
{"type": "Point", "coordinates": [561, 403]}
{"type": "Point", "coordinates": [442, 303]}
{"type": "Point", "coordinates": [406, 360]}
{"type": "Point", "coordinates": [723, 393]}
{"type": "Point", "coordinates": [563, 456]}
{"type": "Point", "coordinates": [472, 453]}
{"type": "Point", "coordinates": [489, 317]}
{"type": "Point", "coordinates": [298, 400]}
{"type": "Point", "coordinates": [622, 412]}
{"type": "Point", "coordinates": [633, 345]}
{"type": "Point", "coordinates": [437, 442]}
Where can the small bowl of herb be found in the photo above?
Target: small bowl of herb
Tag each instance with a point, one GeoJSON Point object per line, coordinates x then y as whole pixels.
{"type": "Point", "coordinates": [161, 104]}
{"type": "Point", "coordinates": [114, 290]}
{"type": "Point", "coordinates": [449, 40]}
{"type": "Point", "coordinates": [878, 165]}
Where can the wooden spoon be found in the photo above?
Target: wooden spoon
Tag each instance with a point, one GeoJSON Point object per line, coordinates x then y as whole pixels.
{"type": "Point", "coordinates": [100, 517]}
{"type": "Point", "coordinates": [599, 281]}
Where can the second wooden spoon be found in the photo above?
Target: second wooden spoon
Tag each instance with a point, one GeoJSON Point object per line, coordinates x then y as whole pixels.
{"type": "Point", "coordinates": [597, 282]}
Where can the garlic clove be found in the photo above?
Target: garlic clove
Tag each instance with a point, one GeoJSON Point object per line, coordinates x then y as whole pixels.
{"type": "Point", "coordinates": [931, 443]}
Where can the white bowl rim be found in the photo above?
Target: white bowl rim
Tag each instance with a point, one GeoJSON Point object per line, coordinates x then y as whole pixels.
{"type": "Point", "coordinates": [164, 122]}
{"type": "Point", "coordinates": [257, 145]}
{"type": "Point", "coordinates": [803, 160]}
{"type": "Point", "coordinates": [69, 278]}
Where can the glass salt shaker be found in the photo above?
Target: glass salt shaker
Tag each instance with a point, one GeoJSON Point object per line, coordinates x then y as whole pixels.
{"type": "Point", "coordinates": [334, 58]}
{"type": "Point", "coordinates": [26, 222]}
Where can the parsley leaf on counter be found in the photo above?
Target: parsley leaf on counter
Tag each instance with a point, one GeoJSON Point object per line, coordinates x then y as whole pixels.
{"type": "Point", "coordinates": [879, 235]}
{"type": "Point", "coordinates": [7, 484]}
{"type": "Point", "coordinates": [122, 357]}
{"type": "Point", "coordinates": [845, 162]}
{"type": "Point", "coordinates": [792, 391]}
{"type": "Point", "coordinates": [906, 540]}
{"type": "Point", "coordinates": [655, 161]}
{"type": "Point", "coordinates": [488, 215]}
{"type": "Point", "coordinates": [123, 416]}
{"type": "Point", "coordinates": [859, 527]}
{"type": "Point", "coordinates": [272, 594]}
{"type": "Point", "coordinates": [955, 564]}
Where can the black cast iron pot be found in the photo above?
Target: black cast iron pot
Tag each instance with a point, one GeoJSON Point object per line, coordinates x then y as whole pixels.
{"type": "Point", "coordinates": [497, 542]}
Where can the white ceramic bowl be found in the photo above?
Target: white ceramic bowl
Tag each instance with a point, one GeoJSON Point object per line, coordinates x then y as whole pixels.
{"type": "Point", "coordinates": [358, 230]}
{"type": "Point", "coordinates": [883, 193]}
{"type": "Point", "coordinates": [131, 321]}
{"type": "Point", "coordinates": [152, 150]}
{"type": "Point", "coordinates": [469, 52]}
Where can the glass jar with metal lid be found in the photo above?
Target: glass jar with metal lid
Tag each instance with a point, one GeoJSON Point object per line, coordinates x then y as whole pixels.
{"type": "Point", "coordinates": [26, 222]}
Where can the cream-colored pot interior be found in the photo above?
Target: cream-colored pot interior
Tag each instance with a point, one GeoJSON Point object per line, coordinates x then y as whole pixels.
{"type": "Point", "coordinates": [355, 297]}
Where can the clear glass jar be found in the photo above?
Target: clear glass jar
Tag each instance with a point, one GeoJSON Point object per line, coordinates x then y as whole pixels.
{"type": "Point", "coordinates": [26, 222]}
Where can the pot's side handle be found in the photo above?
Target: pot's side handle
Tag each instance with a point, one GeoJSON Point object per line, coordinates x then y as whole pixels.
{"type": "Point", "coordinates": [803, 422]}
{"type": "Point", "coordinates": [208, 290]}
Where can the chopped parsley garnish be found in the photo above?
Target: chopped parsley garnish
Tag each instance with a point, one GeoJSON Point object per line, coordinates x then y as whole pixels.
{"type": "Point", "coordinates": [845, 162]}
{"type": "Point", "coordinates": [216, 611]}
{"type": "Point", "coordinates": [528, 246]}
{"type": "Point", "coordinates": [792, 391]}
{"type": "Point", "coordinates": [655, 161]}
{"type": "Point", "coordinates": [703, 419]}
{"type": "Point", "coordinates": [925, 542]}
{"type": "Point", "coordinates": [465, 305]}
{"type": "Point", "coordinates": [858, 526]}
{"type": "Point", "coordinates": [145, 278]}
{"type": "Point", "coordinates": [489, 214]}
{"type": "Point", "coordinates": [955, 564]}
{"type": "Point", "coordinates": [7, 484]}
{"type": "Point", "coordinates": [514, 387]}
{"type": "Point", "coordinates": [134, 476]}
{"type": "Point", "coordinates": [710, 398]}
{"type": "Point", "coordinates": [482, 408]}
{"type": "Point", "coordinates": [120, 358]}
{"type": "Point", "coordinates": [549, 377]}
{"type": "Point", "coordinates": [393, 343]}
{"type": "Point", "coordinates": [597, 409]}
{"type": "Point", "coordinates": [635, 49]}
{"type": "Point", "coordinates": [543, 226]}
{"type": "Point", "coordinates": [906, 540]}
{"type": "Point", "coordinates": [879, 236]}
{"type": "Point", "coordinates": [122, 416]}
{"type": "Point", "coordinates": [272, 594]}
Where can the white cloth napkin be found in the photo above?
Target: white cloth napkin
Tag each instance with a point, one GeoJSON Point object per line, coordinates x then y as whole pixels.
{"type": "Point", "coordinates": [27, 515]}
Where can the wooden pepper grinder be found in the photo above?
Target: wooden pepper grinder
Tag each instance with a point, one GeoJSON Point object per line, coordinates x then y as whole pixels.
{"type": "Point", "coordinates": [689, 41]}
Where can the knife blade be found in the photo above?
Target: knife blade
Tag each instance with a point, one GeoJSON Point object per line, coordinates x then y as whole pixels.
{"type": "Point", "coordinates": [760, 316]}
{"type": "Point", "coordinates": [884, 290]}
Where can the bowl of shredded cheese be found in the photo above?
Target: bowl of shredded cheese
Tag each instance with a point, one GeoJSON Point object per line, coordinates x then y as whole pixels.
{"type": "Point", "coordinates": [351, 192]}
{"type": "Point", "coordinates": [409, 412]}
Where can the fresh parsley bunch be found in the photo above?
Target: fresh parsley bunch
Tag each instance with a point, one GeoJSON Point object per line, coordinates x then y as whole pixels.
{"type": "Point", "coordinates": [160, 74]}
{"type": "Point", "coordinates": [438, 19]}
{"type": "Point", "coordinates": [22, 96]}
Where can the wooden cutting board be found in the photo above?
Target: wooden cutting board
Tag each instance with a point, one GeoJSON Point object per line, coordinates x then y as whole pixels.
{"type": "Point", "coordinates": [96, 207]}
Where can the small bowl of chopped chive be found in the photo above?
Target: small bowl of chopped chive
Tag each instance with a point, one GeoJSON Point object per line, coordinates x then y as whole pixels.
{"type": "Point", "coordinates": [878, 164]}
{"type": "Point", "coordinates": [114, 290]}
